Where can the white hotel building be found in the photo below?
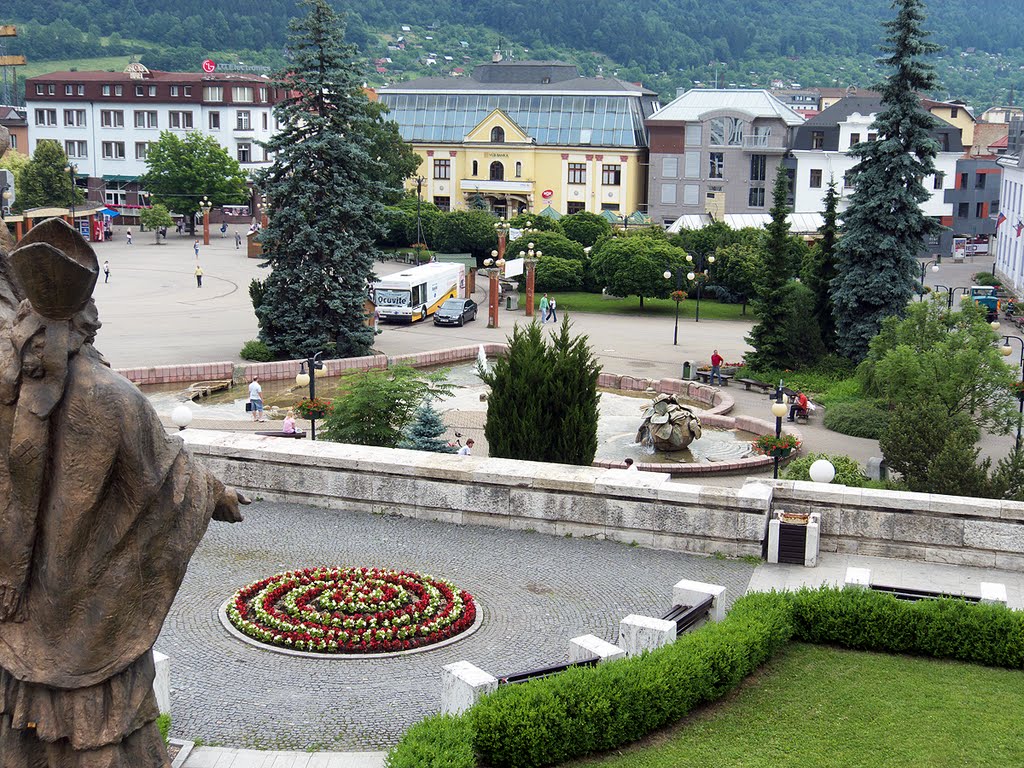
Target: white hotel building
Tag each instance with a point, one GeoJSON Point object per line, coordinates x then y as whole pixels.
{"type": "Point", "coordinates": [1010, 233]}
{"type": "Point", "coordinates": [106, 121]}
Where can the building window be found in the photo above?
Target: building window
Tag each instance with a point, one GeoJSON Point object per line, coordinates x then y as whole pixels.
{"type": "Point", "coordinates": [241, 95]}
{"type": "Point", "coordinates": [81, 90]}
{"type": "Point", "coordinates": [716, 165]}
{"type": "Point", "coordinates": [115, 195]}
{"type": "Point", "coordinates": [691, 164]}
{"type": "Point", "coordinates": [758, 167]}
{"type": "Point", "coordinates": [693, 135]}
{"type": "Point", "coordinates": [245, 153]}
{"type": "Point", "coordinates": [497, 171]}
{"type": "Point", "coordinates": [265, 121]}
{"type": "Point", "coordinates": [51, 89]}
{"type": "Point", "coordinates": [140, 90]}
{"type": "Point", "coordinates": [243, 120]}
{"type": "Point", "coordinates": [519, 170]}
{"type": "Point", "coordinates": [963, 180]}
{"type": "Point", "coordinates": [74, 118]}
{"type": "Point", "coordinates": [497, 135]}
{"type": "Point", "coordinates": [263, 95]}
{"type": "Point", "coordinates": [213, 93]}
{"type": "Point", "coordinates": [668, 194]}
{"type": "Point", "coordinates": [145, 118]}
{"type": "Point", "coordinates": [442, 169]}
{"type": "Point", "coordinates": [872, 137]}
{"type": "Point", "coordinates": [726, 131]}
{"type": "Point", "coordinates": [756, 197]}
{"type": "Point", "coordinates": [979, 180]}
{"type": "Point", "coordinates": [105, 90]}
{"type": "Point", "coordinates": [188, 90]}
{"type": "Point", "coordinates": [953, 113]}
{"type": "Point", "coordinates": [14, 141]}
{"type": "Point", "coordinates": [571, 208]}
{"type": "Point", "coordinates": [112, 118]}
{"type": "Point", "coordinates": [215, 121]}
{"type": "Point", "coordinates": [815, 178]}
{"type": "Point", "coordinates": [76, 149]}
{"type": "Point", "coordinates": [577, 173]}
{"type": "Point", "coordinates": [180, 120]}
{"type": "Point", "coordinates": [691, 193]}
{"type": "Point", "coordinates": [141, 150]}
{"type": "Point", "coordinates": [476, 168]}
{"type": "Point", "coordinates": [152, 91]}
{"type": "Point", "coordinates": [817, 139]}
{"type": "Point", "coordinates": [979, 210]}
{"type": "Point", "coordinates": [46, 117]}
{"type": "Point", "coordinates": [113, 150]}
{"type": "Point", "coordinates": [670, 167]}
{"type": "Point", "coordinates": [611, 175]}
{"type": "Point", "coordinates": [174, 90]}
{"type": "Point", "coordinates": [847, 181]}
{"type": "Point", "coordinates": [963, 210]}
{"type": "Point", "coordinates": [854, 139]}
{"type": "Point", "coordinates": [118, 90]}
{"type": "Point", "coordinates": [69, 90]}
{"type": "Point", "coordinates": [938, 180]}
{"type": "Point", "coordinates": [443, 203]}
{"type": "Point", "coordinates": [39, 89]}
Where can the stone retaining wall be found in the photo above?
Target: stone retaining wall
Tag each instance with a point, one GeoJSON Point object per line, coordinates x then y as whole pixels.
{"type": "Point", "coordinates": [188, 374]}
{"type": "Point", "coordinates": [640, 507]}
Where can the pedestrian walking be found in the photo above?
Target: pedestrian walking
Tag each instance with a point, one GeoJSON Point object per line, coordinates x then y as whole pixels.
{"type": "Point", "coordinates": [256, 399]}
{"type": "Point", "coordinates": [195, 247]}
{"type": "Point", "coordinates": [716, 367]}
{"type": "Point", "coordinates": [551, 310]}
{"type": "Point", "coordinates": [128, 234]}
{"type": "Point", "coordinates": [180, 227]}
{"type": "Point", "coordinates": [544, 304]}
{"type": "Point", "coordinates": [199, 276]}
{"type": "Point", "coordinates": [223, 229]}
{"type": "Point", "coordinates": [238, 241]}
{"type": "Point", "coordinates": [106, 271]}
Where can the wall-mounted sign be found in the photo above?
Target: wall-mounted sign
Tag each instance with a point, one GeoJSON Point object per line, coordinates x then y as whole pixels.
{"type": "Point", "coordinates": [209, 66]}
{"type": "Point", "coordinates": [547, 194]}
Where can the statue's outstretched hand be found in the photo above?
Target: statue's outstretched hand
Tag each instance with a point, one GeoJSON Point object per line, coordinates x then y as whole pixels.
{"type": "Point", "coordinates": [227, 510]}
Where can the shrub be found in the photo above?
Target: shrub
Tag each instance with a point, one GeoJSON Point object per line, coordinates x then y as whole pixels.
{"type": "Point", "coordinates": [585, 228]}
{"type": "Point", "coordinates": [986, 278]}
{"type": "Point", "coordinates": [555, 274]}
{"type": "Point", "coordinates": [440, 741]}
{"type": "Point", "coordinates": [848, 471]}
{"type": "Point", "coordinates": [857, 418]}
{"type": "Point", "coordinates": [257, 351]}
{"type": "Point", "coordinates": [844, 391]}
{"type": "Point", "coordinates": [163, 722]}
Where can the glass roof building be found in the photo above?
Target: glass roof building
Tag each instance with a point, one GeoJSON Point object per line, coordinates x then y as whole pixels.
{"type": "Point", "coordinates": [526, 110]}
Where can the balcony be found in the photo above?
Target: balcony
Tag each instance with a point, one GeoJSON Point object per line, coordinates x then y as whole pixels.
{"type": "Point", "coordinates": [487, 185]}
{"type": "Point", "coordinates": [762, 145]}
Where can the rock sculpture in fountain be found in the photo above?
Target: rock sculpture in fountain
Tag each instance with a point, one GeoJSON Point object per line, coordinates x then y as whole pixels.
{"type": "Point", "coordinates": [668, 425]}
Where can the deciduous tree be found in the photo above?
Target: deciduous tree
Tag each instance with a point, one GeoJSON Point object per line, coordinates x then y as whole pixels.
{"type": "Point", "coordinates": [44, 182]}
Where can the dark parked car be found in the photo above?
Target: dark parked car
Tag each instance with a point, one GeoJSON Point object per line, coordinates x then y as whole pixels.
{"type": "Point", "coordinates": [455, 312]}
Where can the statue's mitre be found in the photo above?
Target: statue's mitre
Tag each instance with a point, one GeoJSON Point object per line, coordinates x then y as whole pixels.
{"type": "Point", "coordinates": [56, 269]}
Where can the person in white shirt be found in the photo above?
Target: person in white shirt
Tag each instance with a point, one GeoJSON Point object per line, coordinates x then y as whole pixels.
{"type": "Point", "coordinates": [467, 449]}
{"type": "Point", "coordinates": [256, 399]}
{"type": "Point", "coordinates": [630, 466]}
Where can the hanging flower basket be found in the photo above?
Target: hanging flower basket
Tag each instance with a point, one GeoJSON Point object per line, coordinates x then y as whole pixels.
{"type": "Point", "coordinates": [316, 408]}
{"type": "Point", "coordinates": [678, 296]}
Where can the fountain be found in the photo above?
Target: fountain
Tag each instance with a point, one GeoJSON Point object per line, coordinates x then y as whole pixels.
{"type": "Point", "coordinates": [667, 425]}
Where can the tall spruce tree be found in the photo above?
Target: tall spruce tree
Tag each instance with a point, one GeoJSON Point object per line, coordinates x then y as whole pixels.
{"type": "Point", "coordinates": [884, 226]}
{"type": "Point", "coordinates": [769, 337]}
{"type": "Point", "coordinates": [325, 188]}
{"type": "Point", "coordinates": [820, 268]}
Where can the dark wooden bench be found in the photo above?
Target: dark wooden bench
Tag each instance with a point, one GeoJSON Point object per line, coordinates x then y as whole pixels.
{"type": "Point", "coordinates": [764, 386]}
{"type": "Point", "coordinates": [705, 376]}
{"type": "Point", "coordinates": [296, 435]}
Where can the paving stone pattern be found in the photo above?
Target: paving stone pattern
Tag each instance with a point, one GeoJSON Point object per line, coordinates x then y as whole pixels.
{"type": "Point", "coordinates": [536, 592]}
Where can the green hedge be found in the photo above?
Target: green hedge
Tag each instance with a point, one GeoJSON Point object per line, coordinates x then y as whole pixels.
{"type": "Point", "coordinates": [848, 471]}
{"type": "Point", "coordinates": [857, 418]}
{"type": "Point", "coordinates": [583, 711]}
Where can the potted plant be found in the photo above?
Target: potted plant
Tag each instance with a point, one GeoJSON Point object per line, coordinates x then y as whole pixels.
{"type": "Point", "coordinates": [782, 446]}
{"type": "Point", "coordinates": [678, 296]}
{"type": "Point", "coordinates": [317, 408]}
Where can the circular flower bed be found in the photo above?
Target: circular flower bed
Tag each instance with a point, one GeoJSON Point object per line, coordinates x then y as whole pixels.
{"type": "Point", "coordinates": [351, 610]}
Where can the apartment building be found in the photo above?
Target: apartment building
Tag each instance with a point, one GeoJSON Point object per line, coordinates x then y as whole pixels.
{"type": "Point", "coordinates": [106, 121]}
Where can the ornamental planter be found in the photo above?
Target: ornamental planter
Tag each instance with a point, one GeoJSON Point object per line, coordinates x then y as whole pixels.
{"type": "Point", "coordinates": [780, 452]}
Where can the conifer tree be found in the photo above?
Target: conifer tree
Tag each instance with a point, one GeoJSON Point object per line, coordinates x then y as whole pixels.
{"type": "Point", "coordinates": [820, 268]}
{"type": "Point", "coordinates": [325, 188]}
{"type": "Point", "coordinates": [426, 430]}
{"type": "Point", "coordinates": [768, 337]}
{"type": "Point", "coordinates": [884, 226]}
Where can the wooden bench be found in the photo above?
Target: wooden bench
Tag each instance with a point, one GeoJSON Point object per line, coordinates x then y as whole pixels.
{"type": "Point", "coordinates": [296, 435]}
{"type": "Point", "coordinates": [805, 416]}
{"type": "Point", "coordinates": [765, 387]}
{"type": "Point", "coordinates": [705, 376]}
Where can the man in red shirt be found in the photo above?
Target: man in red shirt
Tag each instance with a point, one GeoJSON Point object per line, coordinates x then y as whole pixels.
{"type": "Point", "coordinates": [798, 407]}
{"type": "Point", "coordinates": [716, 367]}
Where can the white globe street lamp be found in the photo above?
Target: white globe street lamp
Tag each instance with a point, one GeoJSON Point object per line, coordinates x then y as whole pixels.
{"type": "Point", "coordinates": [181, 416]}
{"type": "Point", "coordinates": [822, 471]}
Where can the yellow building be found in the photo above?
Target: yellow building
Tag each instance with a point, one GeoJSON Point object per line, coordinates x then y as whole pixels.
{"type": "Point", "coordinates": [522, 136]}
{"type": "Point", "coordinates": [955, 113]}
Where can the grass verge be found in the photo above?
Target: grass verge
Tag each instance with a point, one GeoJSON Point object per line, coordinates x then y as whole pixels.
{"type": "Point", "coordinates": [579, 301]}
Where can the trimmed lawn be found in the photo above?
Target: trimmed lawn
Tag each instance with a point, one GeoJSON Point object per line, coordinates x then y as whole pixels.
{"type": "Point", "coordinates": [815, 706]}
{"type": "Point", "coordinates": [612, 305]}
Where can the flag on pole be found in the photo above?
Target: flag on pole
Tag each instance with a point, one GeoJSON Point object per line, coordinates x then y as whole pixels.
{"type": "Point", "coordinates": [1001, 218]}
{"type": "Point", "coordinates": [1019, 227]}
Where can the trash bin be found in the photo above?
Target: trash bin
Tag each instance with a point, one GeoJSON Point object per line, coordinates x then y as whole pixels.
{"type": "Point", "coordinates": [689, 370]}
{"type": "Point", "coordinates": [511, 303]}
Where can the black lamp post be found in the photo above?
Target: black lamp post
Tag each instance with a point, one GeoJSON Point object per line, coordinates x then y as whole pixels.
{"type": "Point", "coordinates": [71, 169]}
{"type": "Point", "coordinates": [924, 265]}
{"type": "Point", "coordinates": [1007, 350]}
{"type": "Point", "coordinates": [5, 196]}
{"type": "Point", "coordinates": [704, 262]}
{"type": "Point", "coordinates": [678, 272]}
{"type": "Point", "coordinates": [952, 293]}
{"type": "Point", "coordinates": [303, 378]}
{"type": "Point", "coordinates": [419, 222]}
{"type": "Point", "coordinates": [778, 411]}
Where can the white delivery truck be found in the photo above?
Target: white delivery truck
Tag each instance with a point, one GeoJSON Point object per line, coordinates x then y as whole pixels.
{"type": "Point", "coordinates": [416, 293]}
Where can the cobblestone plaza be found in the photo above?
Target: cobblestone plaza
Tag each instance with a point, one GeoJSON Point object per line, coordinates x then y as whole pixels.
{"type": "Point", "coordinates": [535, 592]}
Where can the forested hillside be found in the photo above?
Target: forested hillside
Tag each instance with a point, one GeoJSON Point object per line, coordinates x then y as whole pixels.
{"type": "Point", "coordinates": [666, 43]}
